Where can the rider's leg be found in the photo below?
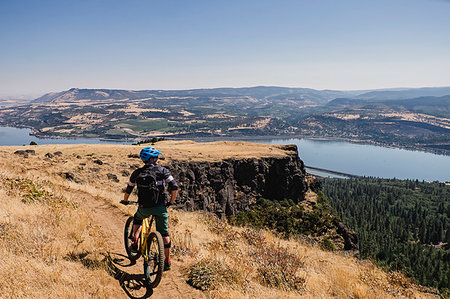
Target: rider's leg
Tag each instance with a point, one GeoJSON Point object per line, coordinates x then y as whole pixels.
{"type": "Point", "coordinates": [162, 225]}
{"type": "Point", "coordinates": [166, 241]}
{"type": "Point", "coordinates": [136, 232]}
{"type": "Point", "coordinates": [137, 225]}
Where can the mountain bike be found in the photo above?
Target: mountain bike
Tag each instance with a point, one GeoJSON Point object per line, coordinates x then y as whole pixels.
{"type": "Point", "coordinates": [150, 246]}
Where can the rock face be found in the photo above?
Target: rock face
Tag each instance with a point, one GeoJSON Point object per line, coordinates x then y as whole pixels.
{"type": "Point", "coordinates": [230, 185]}
{"type": "Point", "coordinates": [233, 185]}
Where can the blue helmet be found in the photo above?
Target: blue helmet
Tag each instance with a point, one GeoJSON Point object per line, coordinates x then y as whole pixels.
{"type": "Point", "coordinates": [149, 152]}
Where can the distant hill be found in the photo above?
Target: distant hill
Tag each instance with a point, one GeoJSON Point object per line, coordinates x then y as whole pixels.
{"type": "Point", "coordinates": [273, 93]}
{"type": "Point", "coordinates": [259, 92]}
{"type": "Point", "coordinates": [407, 93]}
{"type": "Point", "coordinates": [345, 102]}
{"type": "Point", "coordinates": [437, 106]}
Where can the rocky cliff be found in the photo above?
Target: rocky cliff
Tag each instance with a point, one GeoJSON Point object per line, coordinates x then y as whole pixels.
{"type": "Point", "coordinates": [227, 186]}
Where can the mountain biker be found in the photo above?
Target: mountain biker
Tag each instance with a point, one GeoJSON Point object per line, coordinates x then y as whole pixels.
{"type": "Point", "coordinates": [151, 180]}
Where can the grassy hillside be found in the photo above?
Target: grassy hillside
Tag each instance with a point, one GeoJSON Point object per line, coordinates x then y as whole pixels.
{"type": "Point", "coordinates": [61, 237]}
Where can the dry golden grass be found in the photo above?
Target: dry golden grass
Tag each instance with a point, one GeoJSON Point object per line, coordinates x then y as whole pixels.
{"type": "Point", "coordinates": [172, 150]}
{"type": "Point", "coordinates": [38, 243]}
{"type": "Point", "coordinates": [234, 257]}
{"type": "Point", "coordinates": [54, 234]}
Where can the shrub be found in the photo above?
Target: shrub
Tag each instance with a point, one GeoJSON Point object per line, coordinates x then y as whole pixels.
{"type": "Point", "coordinates": [326, 244]}
{"type": "Point", "coordinates": [209, 274]}
{"type": "Point", "coordinates": [152, 141]}
{"type": "Point", "coordinates": [287, 217]}
{"type": "Point", "coordinates": [278, 268]}
{"type": "Point", "coordinates": [27, 189]}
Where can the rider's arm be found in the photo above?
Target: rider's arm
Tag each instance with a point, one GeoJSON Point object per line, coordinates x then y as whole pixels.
{"type": "Point", "coordinates": [125, 196]}
{"type": "Point", "coordinates": [172, 186]}
{"type": "Point", "coordinates": [173, 196]}
{"type": "Point", "coordinates": [129, 187]}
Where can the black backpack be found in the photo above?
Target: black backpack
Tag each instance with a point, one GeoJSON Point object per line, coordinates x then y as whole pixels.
{"type": "Point", "coordinates": [148, 191]}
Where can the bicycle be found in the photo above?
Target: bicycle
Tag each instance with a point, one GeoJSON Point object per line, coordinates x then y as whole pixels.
{"type": "Point", "coordinates": [150, 246]}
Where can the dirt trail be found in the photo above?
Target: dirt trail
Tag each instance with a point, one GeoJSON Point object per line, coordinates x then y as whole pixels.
{"type": "Point", "coordinates": [111, 220]}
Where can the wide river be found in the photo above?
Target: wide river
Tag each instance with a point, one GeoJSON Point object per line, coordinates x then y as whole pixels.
{"type": "Point", "coordinates": [16, 136]}
{"type": "Point", "coordinates": [371, 160]}
{"type": "Point", "coordinates": [346, 157]}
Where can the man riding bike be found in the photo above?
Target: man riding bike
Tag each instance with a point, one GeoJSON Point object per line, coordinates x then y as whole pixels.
{"type": "Point", "coordinates": [151, 180]}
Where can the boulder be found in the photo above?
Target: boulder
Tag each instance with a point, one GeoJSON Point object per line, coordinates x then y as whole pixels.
{"type": "Point", "coordinates": [112, 177]}
{"type": "Point", "coordinates": [67, 175]}
{"type": "Point", "coordinates": [98, 161]}
{"type": "Point", "coordinates": [21, 153]}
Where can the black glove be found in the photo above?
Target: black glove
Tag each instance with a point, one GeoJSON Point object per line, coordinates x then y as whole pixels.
{"type": "Point", "coordinates": [124, 202]}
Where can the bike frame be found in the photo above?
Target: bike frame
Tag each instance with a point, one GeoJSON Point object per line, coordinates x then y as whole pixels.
{"type": "Point", "coordinates": [146, 229]}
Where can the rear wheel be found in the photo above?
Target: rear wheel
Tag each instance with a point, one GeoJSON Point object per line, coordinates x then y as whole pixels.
{"type": "Point", "coordinates": [128, 238]}
{"type": "Point", "coordinates": [154, 259]}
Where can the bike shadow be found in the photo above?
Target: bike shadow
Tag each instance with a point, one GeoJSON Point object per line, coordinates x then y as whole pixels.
{"type": "Point", "coordinates": [134, 285]}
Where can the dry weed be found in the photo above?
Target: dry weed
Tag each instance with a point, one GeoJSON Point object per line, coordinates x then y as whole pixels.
{"type": "Point", "coordinates": [208, 274]}
{"type": "Point", "coordinates": [279, 268]}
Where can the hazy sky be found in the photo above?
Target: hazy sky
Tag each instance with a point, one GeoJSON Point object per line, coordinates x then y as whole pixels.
{"type": "Point", "coordinates": [324, 44]}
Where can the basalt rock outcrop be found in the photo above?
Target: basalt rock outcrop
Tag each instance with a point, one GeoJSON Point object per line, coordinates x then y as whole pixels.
{"type": "Point", "coordinates": [231, 185]}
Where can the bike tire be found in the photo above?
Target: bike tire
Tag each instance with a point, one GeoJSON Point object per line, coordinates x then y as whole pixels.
{"type": "Point", "coordinates": [154, 261]}
{"type": "Point", "coordinates": [126, 233]}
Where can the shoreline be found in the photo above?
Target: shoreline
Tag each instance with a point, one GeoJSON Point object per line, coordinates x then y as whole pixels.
{"type": "Point", "coordinates": [249, 138]}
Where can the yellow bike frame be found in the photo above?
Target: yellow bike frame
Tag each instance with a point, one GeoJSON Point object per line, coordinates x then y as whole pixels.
{"type": "Point", "coordinates": [145, 232]}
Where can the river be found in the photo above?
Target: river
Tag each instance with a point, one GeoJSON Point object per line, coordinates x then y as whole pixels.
{"type": "Point", "coordinates": [340, 156]}
{"type": "Point", "coordinates": [370, 160]}
{"type": "Point", "coordinates": [17, 136]}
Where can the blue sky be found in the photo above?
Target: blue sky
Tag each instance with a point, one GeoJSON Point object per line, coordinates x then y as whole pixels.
{"type": "Point", "coordinates": [325, 44]}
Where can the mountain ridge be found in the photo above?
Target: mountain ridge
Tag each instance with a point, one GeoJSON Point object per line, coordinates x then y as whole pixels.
{"type": "Point", "coordinates": [257, 91]}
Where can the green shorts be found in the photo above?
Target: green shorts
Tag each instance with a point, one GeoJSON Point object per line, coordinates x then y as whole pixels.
{"type": "Point", "coordinates": [161, 218]}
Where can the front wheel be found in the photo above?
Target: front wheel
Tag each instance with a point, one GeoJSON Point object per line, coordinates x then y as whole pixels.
{"type": "Point", "coordinates": [128, 238]}
{"type": "Point", "coordinates": [154, 259]}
